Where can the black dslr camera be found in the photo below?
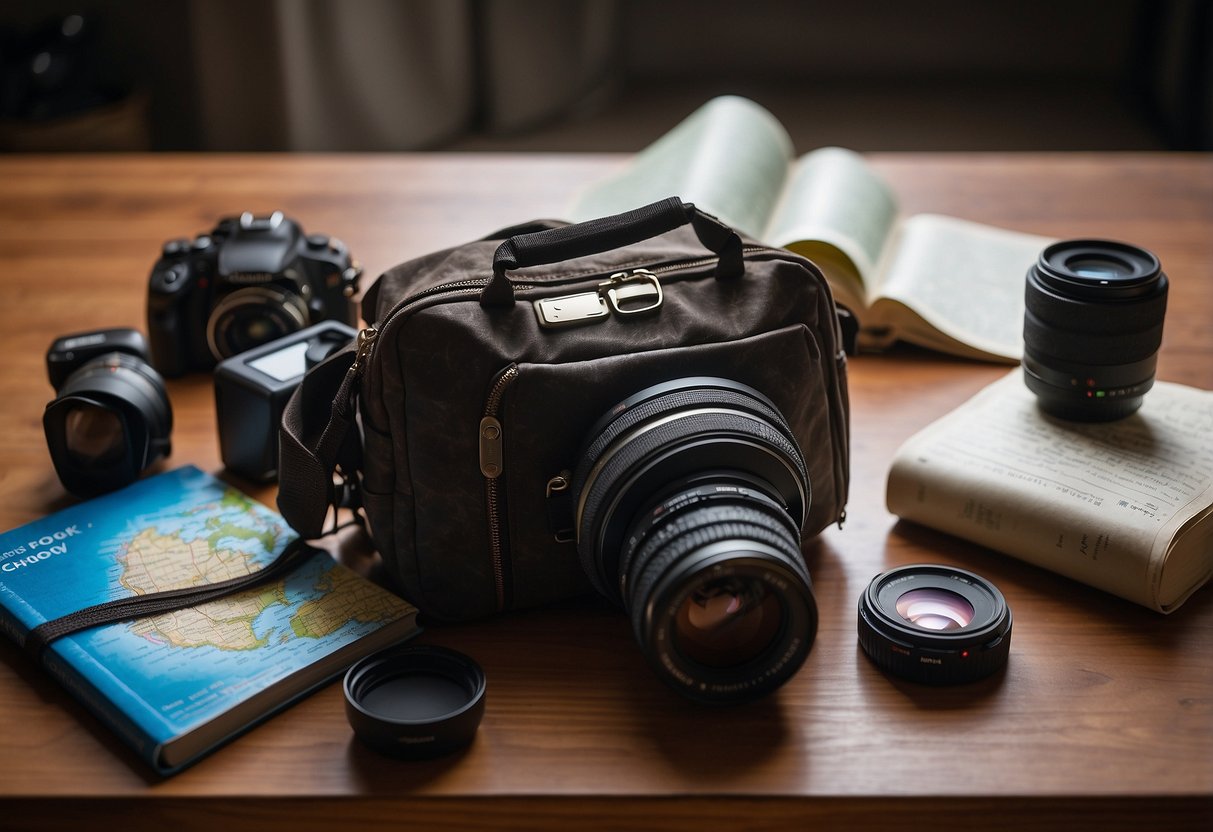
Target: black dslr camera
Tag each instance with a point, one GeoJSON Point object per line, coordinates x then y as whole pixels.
{"type": "Point", "coordinates": [250, 281]}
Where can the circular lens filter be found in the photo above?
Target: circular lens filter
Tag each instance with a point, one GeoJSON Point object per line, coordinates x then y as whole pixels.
{"type": "Point", "coordinates": [934, 624]}
{"type": "Point", "coordinates": [415, 702]}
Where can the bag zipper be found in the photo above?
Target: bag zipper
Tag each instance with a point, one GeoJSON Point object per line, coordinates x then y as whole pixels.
{"type": "Point", "coordinates": [492, 466]}
{"type": "Point", "coordinates": [369, 336]}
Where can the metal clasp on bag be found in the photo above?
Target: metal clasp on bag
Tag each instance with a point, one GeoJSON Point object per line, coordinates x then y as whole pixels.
{"type": "Point", "coordinates": [624, 286]}
{"type": "Point", "coordinates": [617, 294]}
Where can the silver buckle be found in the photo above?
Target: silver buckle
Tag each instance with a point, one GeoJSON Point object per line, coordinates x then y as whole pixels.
{"type": "Point", "coordinates": [624, 286]}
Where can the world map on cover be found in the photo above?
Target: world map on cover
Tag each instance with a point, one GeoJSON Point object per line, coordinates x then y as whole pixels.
{"type": "Point", "coordinates": [180, 529]}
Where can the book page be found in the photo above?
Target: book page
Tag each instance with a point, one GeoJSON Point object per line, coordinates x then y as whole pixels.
{"type": "Point", "coordinates": [834, 198]}
{"type": "Point", "coordinates": [730, 157]}
{"type": "Point", "coordinates": [1123, 506]}
{"type": "Point", "coordinates": [963, 278]}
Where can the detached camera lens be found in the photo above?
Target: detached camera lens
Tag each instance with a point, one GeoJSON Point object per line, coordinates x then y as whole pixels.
{"type": "Point", "coordinates": [691, 499]}
{"type": "Point", "coordinates": [934, 624]}
{"type": "Point", "coordinates": [1092, 328]}
{"type": "Point", "coordinates": [109, 422]}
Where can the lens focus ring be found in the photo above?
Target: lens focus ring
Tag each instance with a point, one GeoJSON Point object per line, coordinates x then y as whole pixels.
{"type": "Point", "coordinates": [679, 524]}
{"type": "Point", "coordinates": [607, 481]}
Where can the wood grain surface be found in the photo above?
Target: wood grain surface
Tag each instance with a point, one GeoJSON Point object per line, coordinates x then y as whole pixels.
{"type": "Point", "coordinates": [1103, 717]}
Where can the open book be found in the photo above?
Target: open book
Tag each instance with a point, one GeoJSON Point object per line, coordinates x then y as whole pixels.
{"type": "Point", "coordinates": [1123, 506]}
{"type": "Point", "coordinates": [938, 282]}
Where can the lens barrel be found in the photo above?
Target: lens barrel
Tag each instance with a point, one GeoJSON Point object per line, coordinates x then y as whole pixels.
{"type": "Point", "coordinates": [938, 625]}
{"type": "Point", "coordinates": [109, 422]}
{"type": "Point", "coordinates": [691, 500]}
{"type": "Point", "coordinates": [253, 316]}
{"type": "Point", "coordinates": [1093, 324]}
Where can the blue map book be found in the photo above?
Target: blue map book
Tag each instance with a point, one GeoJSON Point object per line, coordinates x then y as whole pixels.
{"type": "Point", "coordinates": [177, 685]}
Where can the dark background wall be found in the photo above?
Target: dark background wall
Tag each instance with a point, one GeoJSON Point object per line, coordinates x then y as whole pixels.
{"type": "Point", "coordinates": [603, 74]}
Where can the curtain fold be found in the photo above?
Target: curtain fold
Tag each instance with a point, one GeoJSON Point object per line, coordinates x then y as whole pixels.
{"type": "Point", "coordinates": [321, 75]}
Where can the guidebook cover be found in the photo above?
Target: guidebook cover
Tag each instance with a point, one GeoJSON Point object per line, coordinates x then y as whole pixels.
{"type": "Point", "coordinates": [177, 684]}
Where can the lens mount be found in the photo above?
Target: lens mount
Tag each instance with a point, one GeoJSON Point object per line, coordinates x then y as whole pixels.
{"type": "Point", "coordinates": [934, 624]}
{"type": "Point", "coordinates": [253, 316]}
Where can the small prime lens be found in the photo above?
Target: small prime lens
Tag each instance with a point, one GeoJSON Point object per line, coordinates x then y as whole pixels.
{"type": "Point", "coordinates": [934, 624]}
{"type": "Point", "coordinates": [1092, 327]}
{"type": "Point", "coordinates": [691, 498]}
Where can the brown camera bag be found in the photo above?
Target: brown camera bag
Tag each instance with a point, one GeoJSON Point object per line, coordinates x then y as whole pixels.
{"type": "Point", "coordinates": [456, 417]}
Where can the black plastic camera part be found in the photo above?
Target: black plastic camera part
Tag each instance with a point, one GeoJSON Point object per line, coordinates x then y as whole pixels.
{"type": "Point", "coordinates": [1093, 324]}
{"type": "Point", "coordinates": [111, 417]}
{"type": "Point", "coordinates": [252, 389]}
{"type": "Point", "coordinates": [934, 624]}
{"type": "Point", "coordinates": [415, 702]}
{"type": "Point", "coordinates": [251, 280]}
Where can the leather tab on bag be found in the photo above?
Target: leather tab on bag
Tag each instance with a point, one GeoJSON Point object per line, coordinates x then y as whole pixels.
{"type": "Point", "coordinates": [318, 434]}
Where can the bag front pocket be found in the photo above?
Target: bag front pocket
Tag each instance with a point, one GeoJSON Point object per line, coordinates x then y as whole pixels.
{"type": "Point", "coordinates": [545, 413]}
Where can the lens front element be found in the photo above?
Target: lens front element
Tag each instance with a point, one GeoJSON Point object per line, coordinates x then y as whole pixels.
{"type": "Point", "coordinates": [94, 435]}
{"type": "Point", "coordinates": [935, 609]}
{"type": "Point", "coordinates": [727, 621]}
{"type": "Point", "coordinates": [934, 624]}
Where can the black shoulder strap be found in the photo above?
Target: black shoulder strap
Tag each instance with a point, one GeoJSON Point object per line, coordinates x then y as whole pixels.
{"type": "Point", "coordinates": [154, 603]}
{"type": "Point", "coordinates": [319, 435]}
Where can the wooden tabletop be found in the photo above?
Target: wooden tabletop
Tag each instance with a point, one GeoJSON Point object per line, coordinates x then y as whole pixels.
{"type": "Point", "coordinates": [1104, 716]}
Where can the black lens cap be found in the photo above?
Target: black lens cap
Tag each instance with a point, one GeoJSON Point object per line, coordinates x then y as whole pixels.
{"type": "Point", "coordinates": [415, 702]}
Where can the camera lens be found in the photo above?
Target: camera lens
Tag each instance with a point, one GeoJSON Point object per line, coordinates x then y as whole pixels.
{"type": "Point", "coordinates": [109, 422]}
{"type": "Point", "coordinates": [94, 435]}
{"type": "Point", "coordinates": [691, 497]}
{"type": "Point", "coordinates": [253, 316]}
{"type": "Point", "coordinates": [934, 624]}
{"type": "Point", "coordinates": [1092, 328]}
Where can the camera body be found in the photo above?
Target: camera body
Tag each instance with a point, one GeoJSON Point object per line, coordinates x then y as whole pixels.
{"type": "Point", "coordinates": [249, 281]}
{"type": "Point", "coordinates": [111, 417]}
{"type": "Point", "coordinates": [252, 389]}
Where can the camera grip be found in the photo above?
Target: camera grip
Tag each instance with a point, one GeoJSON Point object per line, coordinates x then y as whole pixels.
{"type": "Point", "coordinates": [606, 233]}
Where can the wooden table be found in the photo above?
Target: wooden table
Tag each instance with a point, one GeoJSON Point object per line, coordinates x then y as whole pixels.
{"type": "Point", "coordinates": [1104, 717]}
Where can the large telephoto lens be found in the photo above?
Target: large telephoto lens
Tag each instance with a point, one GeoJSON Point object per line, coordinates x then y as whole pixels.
{"type": "Point", "coordinates": [691, 501]}
{"type": "Point", "coordinates": [1092, 328]}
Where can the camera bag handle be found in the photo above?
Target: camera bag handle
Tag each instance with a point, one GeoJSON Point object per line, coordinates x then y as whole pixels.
{"type": "Point", "coordinates": [595, 236]}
